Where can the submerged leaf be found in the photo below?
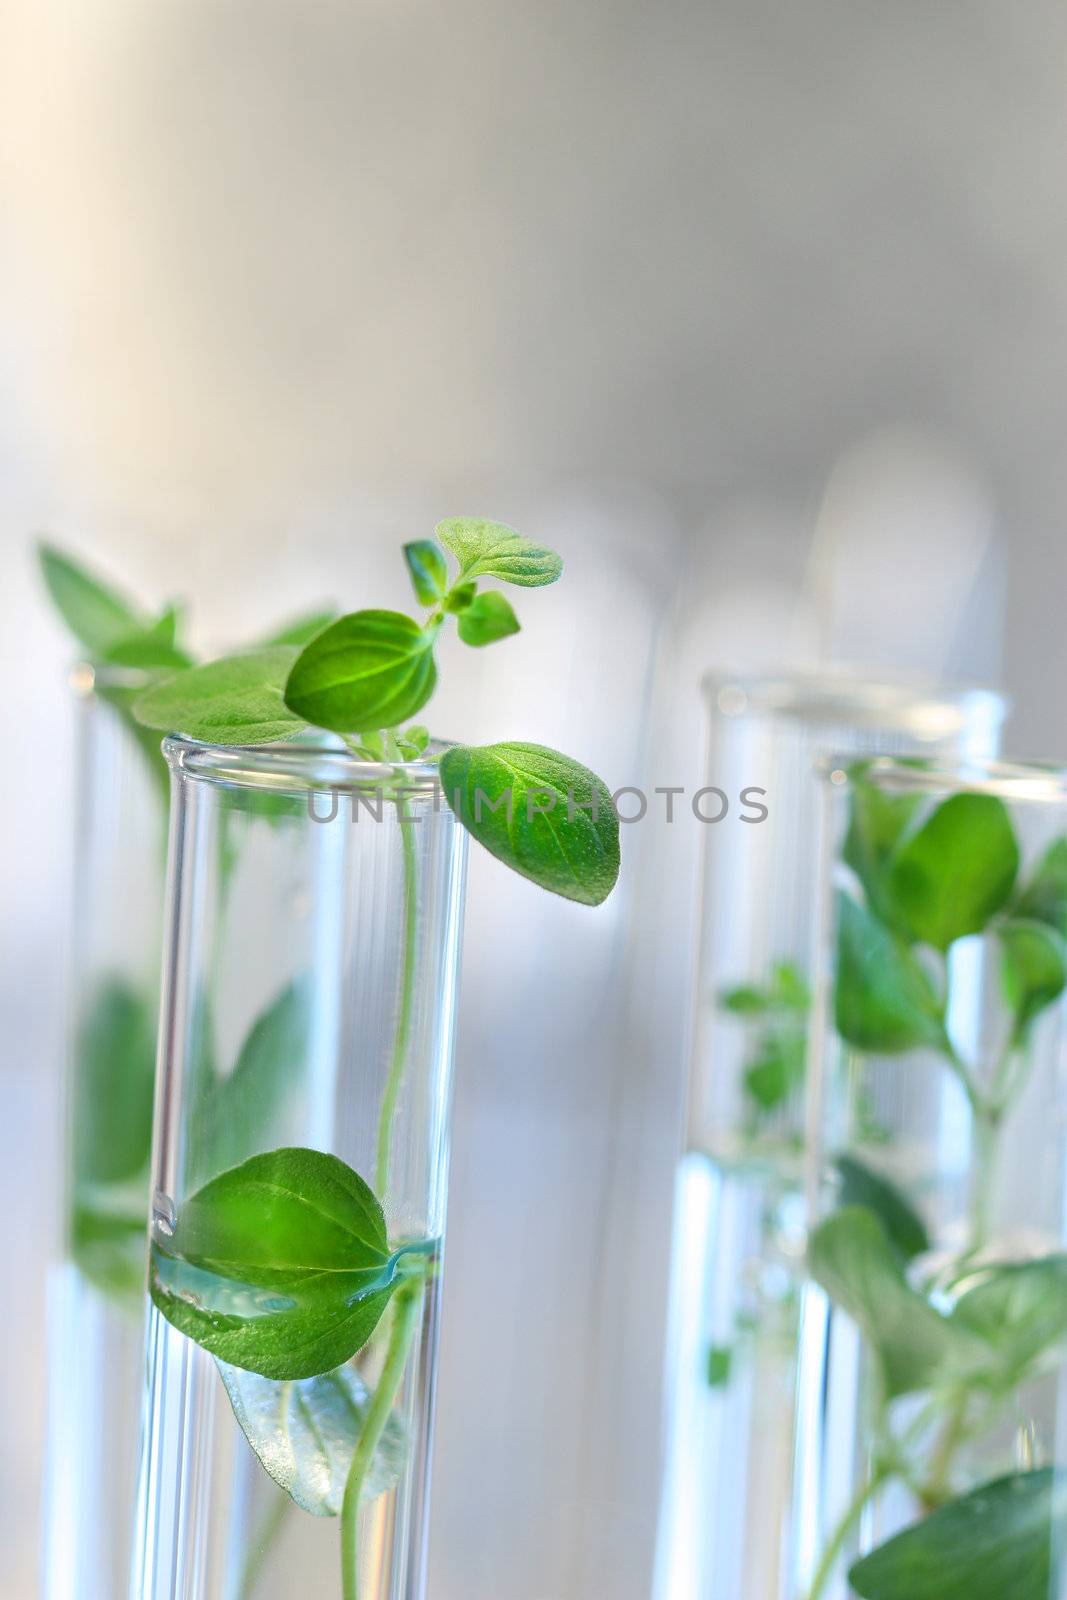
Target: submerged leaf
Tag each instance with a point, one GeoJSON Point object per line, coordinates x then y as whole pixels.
{"type": "Point", "coordinates": [305, 1433]}
{"type": "Point", "coordinates": [883, 999]}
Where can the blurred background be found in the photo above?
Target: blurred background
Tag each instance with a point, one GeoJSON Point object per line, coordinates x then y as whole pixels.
{"type": "Point", "coordinates": [757, 314]}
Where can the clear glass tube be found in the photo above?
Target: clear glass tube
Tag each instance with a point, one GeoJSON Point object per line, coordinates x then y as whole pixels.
{"type": "Point", "coordinates": [934, 1321]}
{"type": "Point", "coordinates": [96, 1290]}
{"type": "Point", "coordinates": [312, 946]}
{"type": "Point", "coordinates": [739, 1222]}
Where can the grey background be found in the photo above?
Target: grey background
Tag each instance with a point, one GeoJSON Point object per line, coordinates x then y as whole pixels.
{"type": "Point", "coordinates": [758, 312]}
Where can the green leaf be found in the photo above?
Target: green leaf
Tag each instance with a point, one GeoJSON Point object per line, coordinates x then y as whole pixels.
{"type": "Point", "coordinates": [114, 1078]}
{"type": "Point", "coordinates": [428, 570]}
{"type": "Point", "coordinates": [952, 876]}
{"type": "Point", "coordinates": [153, 648]}
{"type": "Point", "coordinates": [995, 1543]}
{"type": "Point", "coordinates": [300, 630]}
{"type": "Point", "coordinates": [493, 550]}
{"type": "Point", "coordinates": [777, 1069]}
{"type": "Point", "coordinates": [488, 617]}
{"type": "Point", "coordinates": [745, 1000]}
{"type": "Point", "coordinates": [97, 615]}
{"type": "Point", "coordinates": [413, 741]}
{"type": "Point", "coordinates": [1021, 1309]}
{"type": "Point", "coordinates": [720, 1361]}
{"type": "Point", "coordinates": [1033, 970]}
{"type": "Point", "coordinates": [544, 815]}
{"type": "Point", "coordinates": [305, 1434]}
{"type": "Point", "coordinates": [883, 999]}
{"type": "Point", "coordinates": [788, 988]}
{"type": "Point", "coordinates": [861, 1186]}
{"type": "Point", "coordinates": [237, 700]}
{"type": "Point", "coordinates": [876, 824]}
{"type": "Point", "coordinates": [851, 1256]}
{"type": "Point", "coordinates": [371, 669]}
{"type": "Point", "coordinates": [280, 1266]}
{"type": "Point", "coordinates": [1043, 898]}
{"type": "Point", "coordinates": [238, 1115]}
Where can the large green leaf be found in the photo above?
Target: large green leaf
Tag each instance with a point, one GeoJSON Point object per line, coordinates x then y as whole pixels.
{"type": "Point", "coordinates": [851, 1256]}
{"type": "Point", "coordinates": [97, 615]}
{"type": "Point", "coordinates": [862, 1186]}
{"type": "Point", "coordinates": [1021, 1309]}
{"type": "Point", "coordinates": [280, 1266]}
{"type": "Point", "coordinates": [883, 999]}
{"type": "Point", "coordinates": [544, 815]}
{"type": "Point", "coordinates": [114, 1078]}
{"type": "Point", "coordinates": [237, 700]}
{"type": "Point", "coordinates": [493, 550]}
{"type": "Point", "coordinates": [371, 669]}
{"type": "Point", "coordinates": [1033, 969]}
{"type": "Point", "coordinates": [305, 1433]}
{"type": "Point", "coordinates": [957, 871]}
{"type": "Point", "coordinates": [996, 1543]}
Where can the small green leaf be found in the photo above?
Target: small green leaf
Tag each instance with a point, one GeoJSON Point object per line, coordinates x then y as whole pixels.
{"type": "Point", "coordinates": [416, 737]}
{"type": "Point", "coordinates": [302, 629]}
{"type": "Point", "coordinates": [428, 570]}
{"type": "Point", "coordinates": [460, 596]}
{"type": "Point", "coordinates": [851, 1256]}
{"type": "Point", "coordinates": [371, 669]}
{"type": "Point", "coordinates": [1021, 1309]}
{"type": "Point", "coordinates": [862, 1186]}
{"type": "Point", "coordinates": [151, 649]}
{"type": "Point", "coordinates": [234, 701]}
{"type": "Point", "coordinates": [114, 1078]}
{"type": "Point", "coordinates": [877, 821]}
{"type": "Point", "coordinates": [1033, 970]}
{"type": "Point", "coordinates": [996, 1543]}
{"type": "Point", "coordinates": [1043, 898]}
{"type": "Point", "coordinates": [777, 1069]}
{"type": "Point", "coordinates": [952, 876]}
{"type": "Point", "coordinates": [720, 1361]}
{"type": "Point", "coordinates": [237, 1116]}
{"type": "Point", "coordinates": [788, 988]}
{"type": "Point", "coordinates": [745, 1000]}
{"type": "Point", "coordinates": [883, 999]}
{"type": "Point", "coordinates": [305, 1434]}
{"type": "Point", "coordinates": [488, 617]}
{"type": "Point", "coordinates": [493, 550]}
{"type": "Point", "coordinates": [544, 815]}
{"type": "Point", "coordinates": [96, 614]}
{"type": "Point", "coordinates": [280, 1266]}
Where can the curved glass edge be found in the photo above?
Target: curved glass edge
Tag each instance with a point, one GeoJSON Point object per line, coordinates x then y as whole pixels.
{"type": "Point", "coordinates": [918, 705]}
{"type": "Point", "coordinates": [298, 766]}
{"type": "Point", "coordinates": [1044, 782]}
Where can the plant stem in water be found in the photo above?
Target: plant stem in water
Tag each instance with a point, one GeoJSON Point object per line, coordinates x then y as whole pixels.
{"type": "Point", "coordinates": [407, 1303]}
{"type": "Point", "coordinates": [830, 1555]}
{"type": "Point", "coordinates": [407, 996]}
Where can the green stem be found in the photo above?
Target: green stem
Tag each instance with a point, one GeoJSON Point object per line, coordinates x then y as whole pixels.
{"type": "Point", "coordinates": [830, 1555]}
{"type": "Point", "coordinates": [406, 1306]}
{"type": "Point", "coordinates": [262, 1543]}
{"type": "Point", "coordinates": [407, 995]}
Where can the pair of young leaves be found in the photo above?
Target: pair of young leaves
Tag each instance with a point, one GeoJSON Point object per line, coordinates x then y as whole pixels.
{"type": "Point", "coordinates": [956, 875]}
{"type": "Point", "coordinates": [363, 676]}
